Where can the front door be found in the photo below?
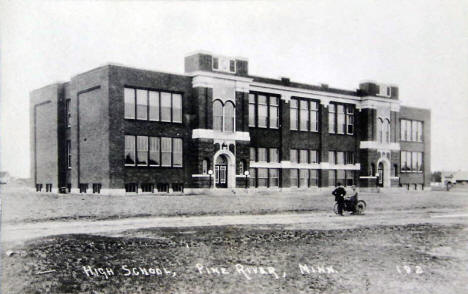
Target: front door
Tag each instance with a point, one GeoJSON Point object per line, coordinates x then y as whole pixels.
{"type": "Point", "coordinates": [221, 175]}
{"type": "Point", "coordinates": [221, 172]}
{"type": "Point", "coordinates": [381, 175]}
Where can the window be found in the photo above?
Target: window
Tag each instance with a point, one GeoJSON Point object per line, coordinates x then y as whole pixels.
{"type": "Point", "coordinates": [349, 157]}
{"type": "Point", "coordinates": [340, 157]}
{"type": "Point", "coordinates": [387, 131]}
{"type": "Point", "coordinates": [420, 131]}
{"type": "Point", "coordinates": [331, 157]}
{"type": "Point", "coordinates": [147, 188]}
{"type": "Point", "coordinates": [241, 167]}
{"type": "Point", "coordinates": [83, 187]}
{"type": "Point", "coordinates": [177, 108]}
{"type": "Point", "coordinates": [380, 130]}
{"type": "Point", "coordinates": [411, 161]}
{"type": "Point", "coordinates": [251, 110]}
{"type": "Point", "coordinates": [153, 106]}
{"type": "Point", "coordinates": [229, 116]}
{"type": "Point", "coordinates": [215, 63]}
{"type": "Point", "coordinates": [262, 177]}
{"type": "Point", "coordinates": [262, 111]}
{"type": "Point", "coordinates": [97, 188]}
{"type": "Point", "coordinates": [349, 178]}
{"type": "Point", "coordinates": [332, 177]}
{"type": "Point", "coordinates": [131, 188]}
{"type": "Point", "coordinates": [150, 105]}
{"type": "Point", "coordinates": [177, 152]}
{"type": "Point", "coordinates": [293, 112]}
{"type": "Point", "coordinates": [274, 155]}
{"type": "Point", "coordinates": [154, 151]}
{"type": "Point", "coordinates": [232, 66]}
{"type": "Point", "coordinates": [273, 112]}
{"type": "Point", "coordinates": [130, 150]}
{"type": "Point", "coordinates": [313, 156]}
{"type": "Point", "coordinates": [341, 177]}
{"type": "Point", "coordinates": [142, 151]}
{"type": "Point", "coordinates": [349, 120]}
{"type": "Point", "coordinates": [166, 150]}
{"type": "Point", "coordinates": [303, 156]}
{"type": "Point", "coordinates": [69, 156]}
{"type": "Point", "coordinates": [205, 166]}
{"type": "Point", "coordinates": [274, 177]}
{"type": "Point", "coordinates": [129, 97]}
{"type": "Point", "coordinates": [253, 177]}
{"type": "Point", "coordinates": [262, 155]}
{"type": "Point", "coordinates": [331, 118]}
{"type": "Point", "coordinates": [303, 178]}
{"type": "Point", "coordinates": [314, 116]}
{"type": "Point", "coordinates": [68, 113]}
{"type": "Point", "coordinates": [166, 106]}
{"type": "Point", "coordinates": [341, 119]}
{"type": "Point", "coordinates": [253, 154]}
{"type": "Point", "coordinates": [304, 115]}
{"type": "Point", "coordinates": [177, 187]}
{"type": "Point", "coordinates": [313, 178]}
{"type": "Point", "coordinates": [142, 104]}
{"type": "Point", "coordinates": [411, 130]}
{"type": "Point", "coordinates": [293, 155]}
{"type": "Point", "coordinates": [218, 116]}
{"type": "Point", "coordinates": [294, 178]}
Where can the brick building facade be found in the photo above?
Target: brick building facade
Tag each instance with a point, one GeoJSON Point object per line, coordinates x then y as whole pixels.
{"type": "Point", "coordinates": [120, 130]}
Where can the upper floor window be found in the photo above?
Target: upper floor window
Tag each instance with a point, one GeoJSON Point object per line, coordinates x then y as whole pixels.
{"type": "Point", "coordinates": [304, 114]}
{"type": "Point", "coordinates": [340, 119]}
{"type": "Point", "coordinates": [380, 130]}
{"type": "Point", "coordinates": [274, 155]}
{"type": "Point", "coordinates": [411, 130]}
{"type": "Point", "coordinates": [224, 116]}
{"type": "Point", "coordinates": [331, 118]}
{"type": "Point", "coordinates": [331, 157]}
{"type": "Point", "coordinates": [262, 155]}
{"type": "Point", "coordinates": [218, 115]}
{"type": "Point", "coordinates": [142, 104]}
{"type": "Point", "coordinates": [293, 113]}
{"type": "Point", "coordinates": [221, 63]}
{"type": "Point", "coordinates": [263, 111]}
{"type": "Point", "coordinates": [293, 155]}
{"type": "Point", "coordinates": [229, 117]}
{"type": "Point", "coordinates": [68, 113]}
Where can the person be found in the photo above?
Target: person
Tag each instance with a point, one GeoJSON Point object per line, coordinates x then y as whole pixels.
{"type": "Point", "coordinates": [353, 200]}
{"type": "Point", "coordinates": [339, 194]}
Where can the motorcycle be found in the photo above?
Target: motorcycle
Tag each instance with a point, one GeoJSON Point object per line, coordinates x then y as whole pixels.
{"type": "Point", "coordinates": [349, 205]}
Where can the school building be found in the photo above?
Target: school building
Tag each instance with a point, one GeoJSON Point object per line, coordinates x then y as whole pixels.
{"type": "Point", "coordinates": [122, 130]}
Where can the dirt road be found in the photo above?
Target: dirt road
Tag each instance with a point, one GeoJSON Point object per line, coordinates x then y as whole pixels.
{"type": "Point", "coordinates": [311, 220]}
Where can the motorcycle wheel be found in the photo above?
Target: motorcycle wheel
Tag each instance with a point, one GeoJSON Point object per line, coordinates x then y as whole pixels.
{"type": "Point", "coordinates": [361, 206]}
{"type": "Point", "coordinates": [335, 208]}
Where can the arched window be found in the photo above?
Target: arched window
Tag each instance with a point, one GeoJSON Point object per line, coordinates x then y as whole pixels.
{"type": "Point", "coordinates": [229, 116]}
{"type": "Point", "coordinates": [205, 166]}
{"type": "Point", "coordinates": [379, 130]}
{"type": "Point", "coordinates": [387, 131]}
{"type": "Point", "coordinates": [218, 115]}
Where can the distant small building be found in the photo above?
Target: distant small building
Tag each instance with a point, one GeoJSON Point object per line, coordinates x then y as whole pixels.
{"type": "Point", "coordinates": [454, 177]}
{"type": "Point", "coordinates": [461, 177]}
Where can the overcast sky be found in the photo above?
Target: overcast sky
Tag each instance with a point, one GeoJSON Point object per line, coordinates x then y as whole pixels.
{"type": "Point", "coordinates": [422, 46]}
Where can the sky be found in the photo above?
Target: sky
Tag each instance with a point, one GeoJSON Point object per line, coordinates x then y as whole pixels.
{"type": "Point", "coordinates": [421, 46]}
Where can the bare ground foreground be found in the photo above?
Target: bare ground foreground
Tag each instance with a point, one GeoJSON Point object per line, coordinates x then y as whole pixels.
{"type": "Point", "coordinates": [280, 243]}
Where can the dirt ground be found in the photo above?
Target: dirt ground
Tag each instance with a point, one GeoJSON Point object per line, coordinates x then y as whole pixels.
{"type": "Point", "coordinates": [405, 243]}
{"type": "Point", "coordinates": [423, 258]}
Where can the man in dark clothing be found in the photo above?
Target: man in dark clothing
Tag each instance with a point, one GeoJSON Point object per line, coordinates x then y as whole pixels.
{"type": "Point", "coordinates": [339, 194]}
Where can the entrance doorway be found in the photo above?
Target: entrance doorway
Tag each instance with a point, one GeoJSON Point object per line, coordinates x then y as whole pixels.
{"type": "Point", "coordinates": [221, 171]}
{"type": "Point", "coordinates": [381, 175]}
